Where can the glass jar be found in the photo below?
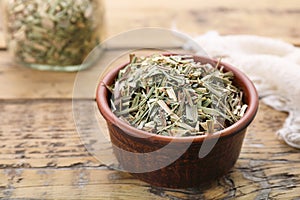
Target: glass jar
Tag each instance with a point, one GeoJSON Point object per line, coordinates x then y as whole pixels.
{"type": "Point", "coordinates": [53, 34]}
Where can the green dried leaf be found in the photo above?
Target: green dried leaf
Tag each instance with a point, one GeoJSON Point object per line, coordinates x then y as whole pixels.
{"type": "Point", "coordinates": [53, 32]}
{"type": "Point", "coordinates": [175, 96]}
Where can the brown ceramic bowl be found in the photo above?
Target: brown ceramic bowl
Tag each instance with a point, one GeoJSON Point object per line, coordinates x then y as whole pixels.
{"type": "Point", "coordinates": [174, 162]}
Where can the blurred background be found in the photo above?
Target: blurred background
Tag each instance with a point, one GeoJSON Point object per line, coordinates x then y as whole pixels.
{"type": "Point", "coordinates": [271, 18]}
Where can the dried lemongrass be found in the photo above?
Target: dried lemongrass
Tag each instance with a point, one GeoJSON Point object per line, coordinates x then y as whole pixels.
{"type": "Point", "coordinates": [53, 32]}
{"type": "Point", "coordinates": [176, 96]}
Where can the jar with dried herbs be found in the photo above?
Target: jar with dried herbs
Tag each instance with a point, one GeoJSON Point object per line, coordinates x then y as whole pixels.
{"type": "Point", "coordinates": [53, 34]}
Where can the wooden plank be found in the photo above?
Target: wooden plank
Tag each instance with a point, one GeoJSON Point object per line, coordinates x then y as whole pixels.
{"type": "Point", "coordinates": [42, 157]}
{"type": "Point", "coordinates": [89, 183]}
{"type": "Point", "coordinates": [195, 17]}
{"type": "Point", "coordinates": [101, 183]}
{"type": "Point", "coordinates": [2, 40]}
{"type": "Point", "coordinates": [19, 82]}
{"type": "Point", "coordinates": [40, 134]}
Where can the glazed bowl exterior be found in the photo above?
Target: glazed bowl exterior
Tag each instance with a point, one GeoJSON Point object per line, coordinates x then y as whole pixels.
{"type": "Point", "coordinates": [189, 169]}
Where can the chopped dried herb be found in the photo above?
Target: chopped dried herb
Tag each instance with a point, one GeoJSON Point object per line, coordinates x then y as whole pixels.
{"type": "Point", "coordinates": [53, 32]}
{"type": "Point", "coordinates": [176, 96]}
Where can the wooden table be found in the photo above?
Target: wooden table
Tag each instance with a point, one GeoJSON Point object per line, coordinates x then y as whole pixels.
{"type": "Point", "coordinates": [42, 156]}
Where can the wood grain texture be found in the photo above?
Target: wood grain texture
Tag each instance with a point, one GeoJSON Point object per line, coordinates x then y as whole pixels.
{"type": "Point", "coordinates": [19, 82]}
{"type": "Point", "coordinates": [2, 40]}
{"type": "Point", "coordinates": [37, 133]}
{"type": "Point", "coordinates": [265, 18]}
{"type": "Point", "coordinates": [42, 157]}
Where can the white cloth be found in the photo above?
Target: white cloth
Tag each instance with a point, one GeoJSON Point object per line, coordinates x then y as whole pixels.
{"type": "Point", "coordinates": [274, 68]}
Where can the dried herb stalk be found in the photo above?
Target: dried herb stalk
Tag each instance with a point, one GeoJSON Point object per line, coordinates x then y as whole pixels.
{"type": "Point", "coordinates": [176, 96]}
{"type": "Point", "coordinates": [53, 32]}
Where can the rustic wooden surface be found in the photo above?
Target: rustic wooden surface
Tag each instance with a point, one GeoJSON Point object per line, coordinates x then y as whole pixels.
{"type": "Point", "coordinates": [42, 156]}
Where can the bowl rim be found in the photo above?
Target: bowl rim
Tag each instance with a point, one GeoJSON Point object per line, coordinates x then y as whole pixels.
{"type": "Point", "coordinates": [252, 96]}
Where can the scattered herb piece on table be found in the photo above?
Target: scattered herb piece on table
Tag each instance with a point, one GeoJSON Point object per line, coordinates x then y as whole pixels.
{"type": "Point", "coordinates": [176, 96]}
